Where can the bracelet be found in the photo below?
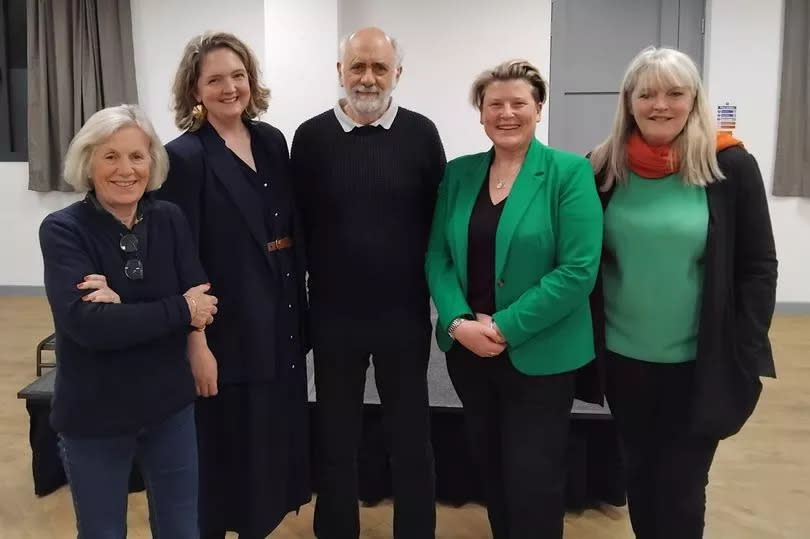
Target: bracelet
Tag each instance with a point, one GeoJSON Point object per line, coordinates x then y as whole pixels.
{"type": "Point", "coordinates": [451, 329]}
{"type": "Point", "coordinates": [193, 303]}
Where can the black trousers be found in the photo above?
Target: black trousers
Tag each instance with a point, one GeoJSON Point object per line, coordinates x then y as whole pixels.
{"type": "Point", "coordinates": [400, 352]}
{"type": "Point", "coordinates": [666, 467]}
{"type": "Point", "coordinates": [518, 431]}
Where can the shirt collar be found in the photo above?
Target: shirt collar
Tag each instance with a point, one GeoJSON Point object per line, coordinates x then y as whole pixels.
{"type": "Point", "coordinates": [385, 121]}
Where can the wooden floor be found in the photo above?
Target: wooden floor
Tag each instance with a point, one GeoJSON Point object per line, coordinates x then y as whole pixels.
{"type": "Point", "coordinates": [760, 482]}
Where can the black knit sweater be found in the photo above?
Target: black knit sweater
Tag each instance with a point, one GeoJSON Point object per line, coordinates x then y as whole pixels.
{"type": "Point", "coordinates": [367, 198]}
{"type": "Point", "coordinates": [121, 366]}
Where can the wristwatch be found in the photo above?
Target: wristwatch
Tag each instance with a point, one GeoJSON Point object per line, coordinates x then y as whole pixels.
{"type": "Point", "coordinates": [454, 326]}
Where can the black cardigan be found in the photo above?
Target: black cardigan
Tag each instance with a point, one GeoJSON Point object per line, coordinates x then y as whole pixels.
{"type": "Point", "coordinates": [121, 366]}
{"type": "Point", "coordinates": [739, 291]}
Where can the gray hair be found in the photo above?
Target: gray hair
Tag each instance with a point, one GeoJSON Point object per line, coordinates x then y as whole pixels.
{"type": "Point", "coordinates": [696, 144]}
{"type": "Point", "coordinates": [398, 53]}
{"type": "Point", "coordinates": [98, 128]}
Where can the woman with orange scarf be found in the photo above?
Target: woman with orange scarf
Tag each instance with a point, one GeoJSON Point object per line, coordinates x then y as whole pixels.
{"type": "Point", "coordinates": [686, 290]}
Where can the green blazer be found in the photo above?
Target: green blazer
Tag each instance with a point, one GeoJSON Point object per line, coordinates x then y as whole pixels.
{"type": "Point", "coordinates": [547, 249]}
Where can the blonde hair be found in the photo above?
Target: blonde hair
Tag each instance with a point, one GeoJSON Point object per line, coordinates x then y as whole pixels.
{"type": "Point", "coordinates": [695, 144]}
{"type": "Point", "coordinates": [188, 72]}
{"type": "Point", "coordinates": [98, 128]}
{"type": "Point", "coordinates": [509, 70]}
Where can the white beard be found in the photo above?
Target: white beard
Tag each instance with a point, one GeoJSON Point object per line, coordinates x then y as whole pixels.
{"type": "Point", "coordinates": [366, 105]}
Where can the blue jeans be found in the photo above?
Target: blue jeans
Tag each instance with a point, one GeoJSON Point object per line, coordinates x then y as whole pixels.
{"type": "Point", "coordinates": [98, 473]}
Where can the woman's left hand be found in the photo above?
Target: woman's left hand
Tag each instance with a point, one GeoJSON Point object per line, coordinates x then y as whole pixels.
{"type": "Point", "coordinates": [488, 321]}
{"type": "Point", "coordinates": [102, 293]}
{"type": "Point", "coordinates": [203, 365]}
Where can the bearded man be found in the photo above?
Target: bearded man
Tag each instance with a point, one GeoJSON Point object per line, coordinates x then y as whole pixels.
{"type": "Point", "coordinates": [366, 178]}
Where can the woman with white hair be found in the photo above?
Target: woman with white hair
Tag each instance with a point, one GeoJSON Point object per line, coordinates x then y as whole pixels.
{"type": "Point", "coordinates": [687, 289]}
{"type": "Point", "coordinates": [127, 291]}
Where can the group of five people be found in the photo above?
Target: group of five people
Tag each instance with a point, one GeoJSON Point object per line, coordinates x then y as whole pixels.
{"type": "Point", "coordinates": [182, 328]}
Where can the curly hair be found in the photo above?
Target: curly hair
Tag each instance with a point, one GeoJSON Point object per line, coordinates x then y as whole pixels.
{"type": "Point", "coordinates": [188, 72]}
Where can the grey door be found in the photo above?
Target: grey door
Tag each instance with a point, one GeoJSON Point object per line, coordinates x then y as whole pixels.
{"type": "Point", "coordinates": [592, 41]}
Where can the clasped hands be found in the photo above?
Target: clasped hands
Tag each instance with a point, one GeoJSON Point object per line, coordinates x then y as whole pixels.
{"type": "Point", "coordinates": [480, 336]}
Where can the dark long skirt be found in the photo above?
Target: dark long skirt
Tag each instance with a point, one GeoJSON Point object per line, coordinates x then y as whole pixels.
{"type": "Point", "coordinates": [254, 455]}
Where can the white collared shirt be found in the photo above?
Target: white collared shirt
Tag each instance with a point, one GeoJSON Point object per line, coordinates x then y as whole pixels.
{"type": "Point", "coordinates": [385, 121]}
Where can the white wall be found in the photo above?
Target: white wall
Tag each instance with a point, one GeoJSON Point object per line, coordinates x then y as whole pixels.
{"type": "Point", "coordinates": [750, 79]}
{"type": "Point", "coordinates": [446, 44]}
{"type": "Point", "coordinates": [160, 31]}
{"type": "Point", "coordinates": [302, 39]}
{"type": "Point", "coordinates": [21, 212]}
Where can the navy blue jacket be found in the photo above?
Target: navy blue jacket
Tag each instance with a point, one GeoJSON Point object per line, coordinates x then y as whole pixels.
{"type": "Point", "coordinates": [227, 222]}
{"type": "Point", "coordinates": [120, 366]}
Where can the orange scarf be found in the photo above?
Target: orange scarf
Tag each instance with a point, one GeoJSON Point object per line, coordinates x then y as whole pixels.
{"type": "Point", "coordinates": [653, 161]}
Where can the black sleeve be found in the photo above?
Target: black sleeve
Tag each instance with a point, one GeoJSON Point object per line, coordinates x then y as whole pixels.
{"type": "Point", "coordinates": [183, 186]}
{"type": "Point", "coordinates": [755, 265]}
{"type": "Point", "coordinates": [186, 256]}
{"type": "Point", "coordinates": [435, 167]}
{"type": "Point", "coordinates": [297, 162]}
{"type": "Point", "coordinates": [99, 326]}
{"type": "Point", "coordinates": [439, 159]}
{"type": "Point", "coordinates": [300, 175]}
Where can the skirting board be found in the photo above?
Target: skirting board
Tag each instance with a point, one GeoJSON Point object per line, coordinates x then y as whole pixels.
{"type": "Point", "coordinates": [22, 290]}
{"type": "Point", "coordinates": [792, 307]}
{"type": "Point", "coordinates": [782, 307]}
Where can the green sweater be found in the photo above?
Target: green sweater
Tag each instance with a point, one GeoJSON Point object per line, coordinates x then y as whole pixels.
{"type": "Point", "coordinates": [655, 237]}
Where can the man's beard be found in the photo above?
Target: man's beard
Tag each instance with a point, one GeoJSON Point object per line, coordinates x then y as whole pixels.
{"type": "Point", "coordinates": [366, 105]}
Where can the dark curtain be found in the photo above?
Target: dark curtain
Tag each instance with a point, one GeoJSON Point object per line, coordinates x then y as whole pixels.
{"type": "Point", "coordinates": [80, 60]}
{"type": "Point", "coordinates": [791, 176]}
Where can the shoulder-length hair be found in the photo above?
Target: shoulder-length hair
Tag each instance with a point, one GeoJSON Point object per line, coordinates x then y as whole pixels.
{"type": "Point", "coordinates": [188, 72]}
{"type": "Point", "coordinates": [98, 128]}
{"type": "Point", "coordinates": [509, 70]}
{"type": "Point", "coordinates": [695, 145]}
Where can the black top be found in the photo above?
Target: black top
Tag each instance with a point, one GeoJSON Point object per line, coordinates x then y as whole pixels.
{"type": "Point", "coordinates": [121, 366]}
{"type": "Point", "coordinates": [367, 199]}
{"type": "Point", "coordinates": [481, 252]}
{"type": "Point", "coordinates": [739, 293]}
{"type": "Point", "coordinates": [250, 336]}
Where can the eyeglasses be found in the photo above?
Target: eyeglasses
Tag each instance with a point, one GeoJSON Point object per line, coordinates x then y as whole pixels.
{"type": "Point", "coordinates": [133, 269]}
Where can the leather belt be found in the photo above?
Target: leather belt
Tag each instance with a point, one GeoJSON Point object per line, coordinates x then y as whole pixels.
{"type": "Point", "coordinates": [281, 243]}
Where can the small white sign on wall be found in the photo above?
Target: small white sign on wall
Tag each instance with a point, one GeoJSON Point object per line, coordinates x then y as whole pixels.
{"type": "Point", "coordinates": [726, 117]}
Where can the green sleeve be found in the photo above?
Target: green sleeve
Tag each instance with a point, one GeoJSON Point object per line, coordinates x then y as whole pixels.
{"type": "Point", "coordinates": [440, 268]}
{"type": "Point", "coordinates": [579, 246]}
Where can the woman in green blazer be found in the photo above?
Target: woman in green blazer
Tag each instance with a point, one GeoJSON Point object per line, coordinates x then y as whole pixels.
{"type": "Point", "coordinates": [513, 255]}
